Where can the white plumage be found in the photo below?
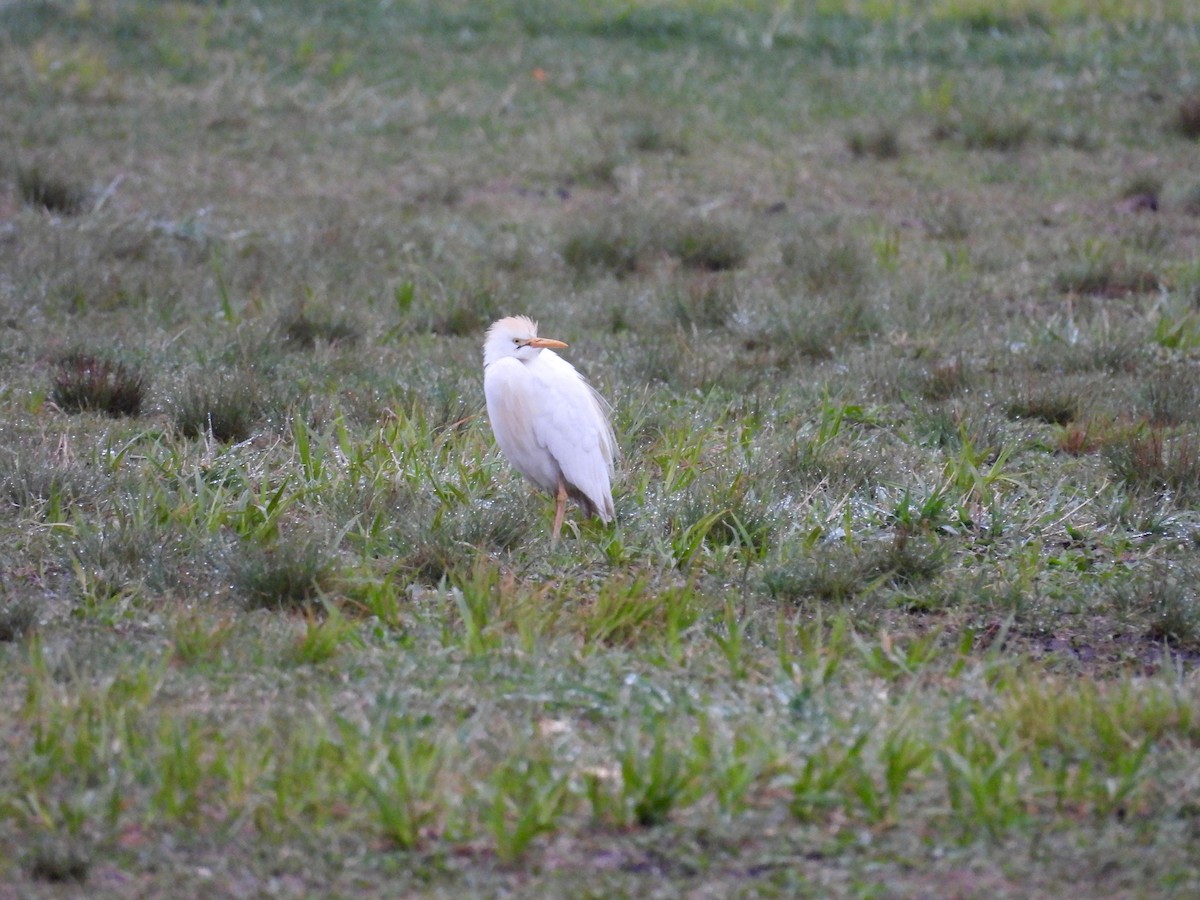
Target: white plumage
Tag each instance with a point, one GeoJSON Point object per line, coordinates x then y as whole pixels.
{"type": "Point", "coordinates": [550, 423]}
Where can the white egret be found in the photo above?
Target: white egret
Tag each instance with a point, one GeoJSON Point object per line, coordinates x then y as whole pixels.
{"type": "Point", "coordinates": [550, 423]}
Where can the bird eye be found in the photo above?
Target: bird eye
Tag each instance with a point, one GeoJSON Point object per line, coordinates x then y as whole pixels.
{"type": "Point", "coordinates": [516, 340]}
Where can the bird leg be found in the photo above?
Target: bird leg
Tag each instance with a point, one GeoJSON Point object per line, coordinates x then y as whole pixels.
{"type": "Point", "coordinates": [560, 510]}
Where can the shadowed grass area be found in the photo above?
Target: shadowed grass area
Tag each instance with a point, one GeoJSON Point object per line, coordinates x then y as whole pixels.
{"type": "Point", "coordinates": [50, 190]}
{"type": "Point", "coordinates": [896, 305]}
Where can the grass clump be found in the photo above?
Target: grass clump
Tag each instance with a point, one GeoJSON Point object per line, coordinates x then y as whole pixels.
{"type": "Point", "coordinates": [996, 130]}
{"type": "Point", "coordinates": [1164, 598]}
{"type": "Point", "coordinates": [992, 21]}
{"type": "Point", "coordinates": [657, 776]}
{"type": "Point", "coordinates": [18, 616]}
{"type": "Point", "coordinates": [1190, 203]}
{"type": "Point", "coordinates": [303, 329]}
{"type": "Point", "coordinates": [1154, 460]}
{"type": "Point", "coordinates": [1142, 191]}
{"type": "Point", "coordinates": [597, 169]}
{"type": "Point", "coordinates": [946, 219]}
{"type": "Point", "coordinates": [840, 573]}
{"type": "Point", "coordinates": [1170, 397]}
{"type": "Point", "coordinates": [1175, 617]}
{"type": "Point", "coordinates": [706, 301]}
{"type": "Point", "coordinates": [645, 134]}
{"type": "Point", "coordinates": [225, 407]}
{"type": "Point", "coordinates": [59, 861]}
{"type": "Point", "coordinates": [1050, 405]}
{"type": "Point", "coordinates": [946, 378]}
{"type": "Point", "coordinates": [828, 261]}
{"type": "Point", "coordinates": [610, 243]}
{"type": "Point", "coordinates": [324, 637]}
{"type": "Point", "coordinates": [53, 193]}
{"type": "Point", "coordinates": [878, 142]}
{"type": "Point", "coordinates": [83, 382]}
{"type": "Point", "coordinates": [404, 789]}
{"type": "Point", "coordinates": [195, 640]}
{"type": "Point", "coordinates": [625, 241]}
{"type": "Point", "coordinates": [1187, 117]}
{"type": "Point", "coordinates": [468, 312]}
{"type": "Point", "coordinates": [815, 328]}
{"type": "Point", "coordinates": [290, 574]}
{"type": "Point", "coordinates": [710, 245]}
{"type": "Point", "coordinates": [528, 797]}
{"type": "Point", "coordinates": [1104, 276]}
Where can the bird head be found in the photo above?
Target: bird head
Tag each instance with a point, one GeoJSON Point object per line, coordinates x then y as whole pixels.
{"type": "Point", "coordinates": [515, 336]}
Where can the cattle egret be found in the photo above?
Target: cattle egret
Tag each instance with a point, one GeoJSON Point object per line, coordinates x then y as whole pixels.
{"type": "Point", "coordinates": [550, 423]}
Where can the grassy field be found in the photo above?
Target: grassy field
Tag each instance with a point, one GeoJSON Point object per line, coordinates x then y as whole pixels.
{"type": "Point", "coordinates": [898, 307]}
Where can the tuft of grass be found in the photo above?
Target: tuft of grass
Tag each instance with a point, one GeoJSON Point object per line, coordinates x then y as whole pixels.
{"type": "Point", "coordinates": [1077, 439]}
{"type": "Point", "coordinates": [324, 636]}
{"type": "Point", "coordinates": [1150, 237]}
{"type": "Point", "coordinates": [994, 130]}
{"type": "Point", "coordinates": [1174, 613]}
{"type": "Point", "coordinates": [59, 861]}
{"type": "Point", "coordinates": [528, 797]}
{"type": "Point", "coordinates": [438, 189]}
{"type": "Point", "coordinates": [1006, 22]}
{"type": "Point", "coordinates": [624, 241]}
{"type": "Point", "coordinates": [877, 142]}
{"type": "Point", "coordinates": [1177, 329]}
{"type": "Point", "coordinates": [817, 786]}
{"type": "Point", "coordinates": [196, 640]}
{"type": "Point", "coordinates": [946, 219]}
{"type": "Point", "coordinates": [1055, 406]}
{"type": "Point", "coordinates": [302, 329]}
{"type": "Point", "coordinates": [828, 261]}
{"type": "Point", "coordinates": [1103, 276]}
{"type": "Point", "coordinates": [945, 379]}
{"type": "Point", "coordinates": [404, 788]}
{"type": "Point", "coordinates": [627, 613]}
{"type": "Point", "coordinates": [646, 134]}
{"type": "Point", "coordinates": [839, 573]}
{"type": "Point", "coordinates": [46, 489]}
{"type": "Point", "coordinates": [1144, 186]}
{"type": "Point", "coordinates": [597, 169]}
{"type": "Point", "coordinates": [467, 311]}
{"type": "Point", "coordinates": [52, 192]}
{"type": "Point", "coordinates": [655, 774]}
{"type": "Point", "coordinates": [705, 301]}
{"type": "Point", "coordinates": [1153, 460]}
{"type": "Point", "coordinates": [18, 616]}
{"type": "Point", "coordinates": [83, 382]}
{"type": "Point", "coordinates": [1082, 137]}
{"type": "Point", "coordinates": [1187, 117]}
{"type": "Point", "coordinates": [1190, 203]}
{"type": "Point", "coordinates": [710, 245]}
{"type": "Point", "coordinates": [293, 573]}
{"type": "Point", "coordinates": [607, 243]}
{"type": "Point", "coordinates": [1170, 397]}
{"type": "Point", "coordinates": [223, 407]}
{"type": "Point", "coordinates": [1164, 596]}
